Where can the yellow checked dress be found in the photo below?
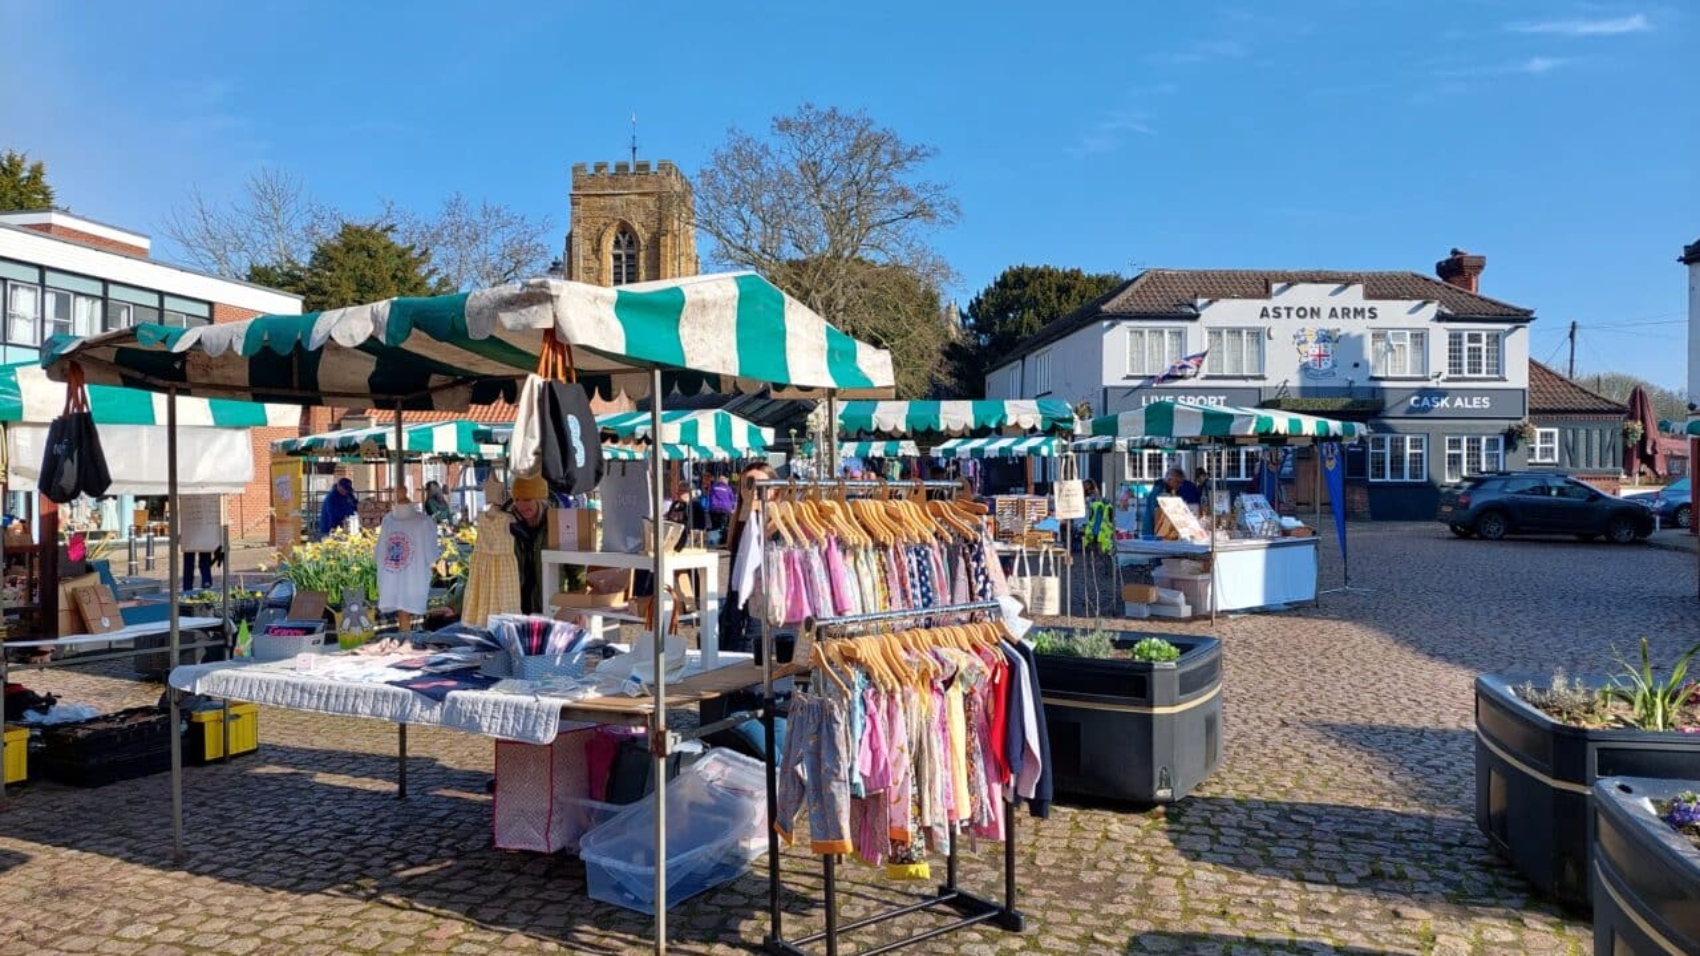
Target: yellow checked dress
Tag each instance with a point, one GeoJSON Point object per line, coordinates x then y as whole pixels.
{"type": "Point", "coordinates": [492, 583]}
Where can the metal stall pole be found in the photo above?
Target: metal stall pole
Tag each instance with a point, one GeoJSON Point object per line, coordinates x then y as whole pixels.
{"type": "Point", "coordinates": [1316, 460]}
{"type": "Point", "coordinates": [227, 629]}
{"type": "Point", "coordinates": [831, 436]}
{"type": "Point", "coordinates": [1209, 510]}
{"type": "Point", "coordinates": [398, 481]}
{"type": "Point", "coordinates": [658, 717]}
{"type": "Point", "coordinates": [175, 528]}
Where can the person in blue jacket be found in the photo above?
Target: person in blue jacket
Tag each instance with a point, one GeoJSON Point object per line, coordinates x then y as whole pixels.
{"type": "Point", "coordinates": [339, 505]}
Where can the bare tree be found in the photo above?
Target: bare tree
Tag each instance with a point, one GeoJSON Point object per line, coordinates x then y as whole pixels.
{"type": "Point", "coordinates": [477, 246]}
{"type": "Point", "coordinates": [272, 223]}
{"type": "Point", "coordinates": [828, 205]}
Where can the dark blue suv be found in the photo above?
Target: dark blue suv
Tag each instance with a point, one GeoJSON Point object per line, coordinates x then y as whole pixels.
{"type": "Point", "coordinates": [1537, 502]}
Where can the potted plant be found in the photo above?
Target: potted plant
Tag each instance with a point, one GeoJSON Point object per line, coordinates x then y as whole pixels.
{"type": "Point", "coordinates": [1541, 748]}
{"type": "Point", "coordinates": [1646, 872]}
{"type": "Point", "coordinates": [1132, 717]}
{"type": "Point", "coordinates": [1632, 432]}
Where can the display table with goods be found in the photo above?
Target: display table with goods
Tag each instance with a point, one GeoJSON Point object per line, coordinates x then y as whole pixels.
{"type": "Point", "coordinates": [1132, 717]}
{"type": "Point", "coordinates": [542, 343]}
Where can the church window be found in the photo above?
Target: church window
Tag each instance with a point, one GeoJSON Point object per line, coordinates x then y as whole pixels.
{"type": "Point", "coordinates": [624, 259]}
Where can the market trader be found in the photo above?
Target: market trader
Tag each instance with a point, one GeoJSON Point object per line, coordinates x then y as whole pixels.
{"type": "Point", "coordinates": [1174, 483]}
{"type": "Point", "coordinates": [339, 506]}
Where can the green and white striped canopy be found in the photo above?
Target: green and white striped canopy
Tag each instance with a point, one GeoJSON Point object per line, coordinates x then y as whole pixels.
{"type": "Point", "coordinates": [1224, 424]}
{"type": "Point", "coordinates": [1019, 447]}
{"type": "Point", "coordinates": [733, 331]}
{"type": "Point", "coordinates": [427, 439]}
{"type": "Point", "coordinates": [1694, 427]}
{"type": "Point", "coordinates": [1049, 415]}
{"type": "Point", "coordinates": [703, 434]}
{"type": "Point", "coordinates": [675, 452]}
{"type": "Point", "coordinates": [894, 448]}
{"type": "Point", "coordinates": [28, 396]}
{"type": "Point", "coordinates": [1106, 443]}
{"type": "Point", "coordinates": [708, 428]}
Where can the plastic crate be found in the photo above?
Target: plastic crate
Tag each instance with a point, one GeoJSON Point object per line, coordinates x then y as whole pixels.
{"type": "Point", "coordinates": [204, 742]}
{"type": "Point", "coordinates": [716, 828]}
{"type": "Point", "coordinates": [17, 754]}
{"type": "Point", "coordinates": [294, 637]}
{"type": "Point", "coordinates": [122, 746]}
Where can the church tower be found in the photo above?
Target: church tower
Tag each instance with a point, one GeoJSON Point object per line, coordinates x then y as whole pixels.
{"type": "Point", "coordinates": [633, 223]}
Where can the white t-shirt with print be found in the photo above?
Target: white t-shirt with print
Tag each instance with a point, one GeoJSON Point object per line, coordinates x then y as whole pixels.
{"type": "Point", "coordinates": [407, 547]}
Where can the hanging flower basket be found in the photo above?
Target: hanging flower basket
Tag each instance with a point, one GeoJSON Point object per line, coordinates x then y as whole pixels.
{"type": "Point", "coordinates": [1633, 432]}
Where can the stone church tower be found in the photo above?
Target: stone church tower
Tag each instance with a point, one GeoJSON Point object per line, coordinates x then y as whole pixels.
{"type": "Point", "coordinates": [632, 224]}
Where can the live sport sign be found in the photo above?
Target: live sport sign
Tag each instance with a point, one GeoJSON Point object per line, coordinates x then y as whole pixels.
{"type": "Point", "coordinates": [1508, 403]}
{"type": "Point", "coordinates": [1192, 394]}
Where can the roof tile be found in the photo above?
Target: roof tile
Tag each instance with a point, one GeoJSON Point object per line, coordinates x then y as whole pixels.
{"type": "Point", "coordinates": [1552, 394]}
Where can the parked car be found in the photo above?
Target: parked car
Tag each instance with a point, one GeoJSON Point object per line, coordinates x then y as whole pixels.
{"type": "Point", "coordinates": [1673, 505]}
{"type": "Point", "coordinates": [1537, 502]}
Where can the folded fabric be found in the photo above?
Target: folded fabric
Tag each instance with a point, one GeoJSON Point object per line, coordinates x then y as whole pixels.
{"type": "Point", "coordinates": [438, 686]}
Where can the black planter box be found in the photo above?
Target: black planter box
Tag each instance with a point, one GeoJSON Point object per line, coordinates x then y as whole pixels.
{"type": "Point", "coordinates": [1534, 780]}
{"type": "Point", "coordinates": [1131, 730]}
{"type": "Point", "coordinates": [1646, 876]}
{"type": "Point", "coordinates": [122, 746]}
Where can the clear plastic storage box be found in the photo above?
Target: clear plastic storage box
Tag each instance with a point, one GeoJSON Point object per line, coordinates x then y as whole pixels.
{"type": "Point", "coordinates": [716, 815]}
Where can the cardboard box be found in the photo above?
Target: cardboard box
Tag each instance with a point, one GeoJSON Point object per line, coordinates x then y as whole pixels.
{"type": "Point", "coordinates": [1139, 593]}
{"type": "Point", "coordinates": [1300, 532]}
{"type": "Point", "coordinates": [99, 609]}
{"type": "Point", "coordinates": [308, 606]}
{"type": "Point", "coordinates": [574, 529]}
{"type": "Point", "coordinates": [69, 622]}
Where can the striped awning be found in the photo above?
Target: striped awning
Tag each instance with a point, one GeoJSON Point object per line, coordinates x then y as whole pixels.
{"type": "Point", "coordinates": [1022, 447]}
{"type": "Point", "coordinates": [709, 434]}
{"type": "Point", "coordinates": [28, 396]}
{"type": "Point", "coordinates": [1694, 426]}
{"type": "Point", "coordinates": [675, 452]}
{"type": "Point", "coordinates": [1049, 415]}
{"type": "Point", "coordinates": [894, 448]}
{"type": "Point", "coordinates": [720, 332]}
{"type": "Point", "coordinates": [1106, 443]}
{"type": "Point", "coordinates": [706, 428]}
{"type": "Point", "coordinates": [1223, 424]}
{"type": "Point", "coordinates": [427, 439]}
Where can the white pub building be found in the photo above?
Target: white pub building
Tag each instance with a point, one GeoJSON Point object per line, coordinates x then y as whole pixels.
{"type": "Point", "coordinates": [1439, 371]}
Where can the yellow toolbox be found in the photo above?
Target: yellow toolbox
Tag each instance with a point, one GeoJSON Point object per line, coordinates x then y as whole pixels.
{"type": "Point", "coordinates": [205, 740]}
{"type": "Point", "coordinates": [17, 754]}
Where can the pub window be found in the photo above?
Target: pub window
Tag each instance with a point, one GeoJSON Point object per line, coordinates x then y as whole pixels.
{"type": "Point", "coordinates": [23, 314]}
{"type": "Point", "coordinates": [624, 258]}
{"type": "Point", "coordinates": [1398, 457]}
{"type": "Point", "coordinates": [1151, 351]}
{"type": "Point", "coordinates": [1234, 352]}
{"type": "Point", "coordinates": [1545, 449]}
{"type": "Point", "coordinates": [1473, 455]}
{"type": "Point", "coordinates": [1473, 354]}
{"type": "Point", "coordinates": [1231, 464]}
{"type": "Point", "coordinates": [1148, 466]}
{"type": "Point", "coordinates": [1042, 373]}
{"type": "Point", "coordinates": [1399, 353]}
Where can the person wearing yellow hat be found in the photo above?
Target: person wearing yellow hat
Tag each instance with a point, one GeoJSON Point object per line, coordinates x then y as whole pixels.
{"type": "Point", "coordinates": [529, 506]}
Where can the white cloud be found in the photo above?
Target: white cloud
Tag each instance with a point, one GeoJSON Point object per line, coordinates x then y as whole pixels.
{"type": "Point", "coordinates": [1637, 23]}
{"type": "Point", "coordinates": [1109, 133]}
{"type": "Point", "coordinates": [1530, 66]}
{"type": "Point", "coordinates": [1204, 50]}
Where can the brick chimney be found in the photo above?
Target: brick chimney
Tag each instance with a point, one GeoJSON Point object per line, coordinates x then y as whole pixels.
{"type": "Point", "coordinates": [1462, 270]}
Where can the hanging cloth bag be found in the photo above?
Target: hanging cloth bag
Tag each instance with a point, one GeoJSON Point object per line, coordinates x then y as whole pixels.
{"type": "Point", "coordinates": [73, 464]}
{"type": "Point", "coordinates": [570, 447]}
{"type": "Point", "coordinates": [1045, 587]}
{"type": "Point", "coordinates": [1071, 491]}
{"type": "Point", "coordinates": [525, 446]}
{"type": "Point", "coordinates": [1021, 580]}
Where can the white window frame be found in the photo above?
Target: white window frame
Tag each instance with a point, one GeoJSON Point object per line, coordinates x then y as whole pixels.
{"type": "Point", "coordinates": [1230, 464]}
{"type": "Point", "coordinates": [14, 315]}
{"type": "Point", "coordinates": [1174, 347]}
{"type": "Point", "coordinates": [1219, 349]}
{"type": "Point", "coordinates": [1486, 346]}
{"type": "Point", "coordinates": [1386, 343]}
{"type": "Point", "coordinates": [1411, 460]}
{"type": "Point", "coordinates": [1138, 466]}
{"type": "Point", "coordinates": [1470, 455]}
{"type": "Point", "coordinates": [1042, 372]}
{"type": "Point", "coordinates": [1544, 449]}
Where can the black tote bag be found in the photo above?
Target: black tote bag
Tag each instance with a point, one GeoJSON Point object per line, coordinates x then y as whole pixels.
{"type": "Point", "coordinates": [571, 451]}
{"type": "Point", "coordinates": [73, 463]}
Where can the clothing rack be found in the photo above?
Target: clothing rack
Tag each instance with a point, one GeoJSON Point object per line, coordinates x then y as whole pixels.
{"type": "Point", "coordinates": [973, 909]}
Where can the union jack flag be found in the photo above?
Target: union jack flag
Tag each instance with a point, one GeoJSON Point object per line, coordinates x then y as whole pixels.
{"type": "Point", "coordinates": [1188, 367]}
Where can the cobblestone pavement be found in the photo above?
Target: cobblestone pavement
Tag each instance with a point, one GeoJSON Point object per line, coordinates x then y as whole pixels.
{"type": "Point", "coordinates": [1339, 822]}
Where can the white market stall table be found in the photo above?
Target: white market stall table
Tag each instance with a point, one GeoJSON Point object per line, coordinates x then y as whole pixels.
{"type": "Point", "coordinates": [707, 563]}
{"type": "Point", "coordinates": [1247, 572]}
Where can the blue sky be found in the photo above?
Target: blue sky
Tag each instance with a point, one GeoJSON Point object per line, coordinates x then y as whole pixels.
{"type": "Point", "coordinates": [1560, 139]}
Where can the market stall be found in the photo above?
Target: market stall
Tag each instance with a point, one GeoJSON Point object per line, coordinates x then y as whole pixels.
{"type": "Point", "coordinates": [445, 442]}
{"type": "Point", "coordinates": [1244, 557]}
{"type": "Point", "coordinates": [450, 351]}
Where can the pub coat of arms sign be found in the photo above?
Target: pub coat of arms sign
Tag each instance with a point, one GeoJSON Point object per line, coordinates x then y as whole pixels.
{"type": "Point", "coordinates": [1316, 349]}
